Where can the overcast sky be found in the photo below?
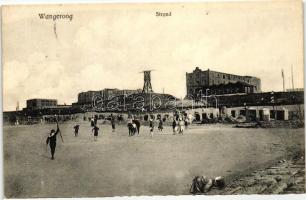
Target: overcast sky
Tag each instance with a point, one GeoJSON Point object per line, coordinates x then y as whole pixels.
{"type": "Point", "coordinates": [106, 46]}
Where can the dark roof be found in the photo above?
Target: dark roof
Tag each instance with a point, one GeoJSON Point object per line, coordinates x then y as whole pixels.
{"type": "Point", "coordinates": [197, 69]}
{"type": "Point", "coordinates": [41, 99]}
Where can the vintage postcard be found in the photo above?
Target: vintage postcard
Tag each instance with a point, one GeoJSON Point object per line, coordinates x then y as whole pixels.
{"type": "Point", "coordinates": [141, 99]}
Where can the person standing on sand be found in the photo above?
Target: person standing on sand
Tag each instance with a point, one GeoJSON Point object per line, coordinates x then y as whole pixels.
{"type": "Point", "coordinates": [160, 125]}
{"type": "Point", "coordinates": [95, 119]}
{"type": "Point", "coordinates": [130, 127]}
{"type": "Point", "coordinates": [151, 127]}
{"type": "Point", "coordinates": [113, 123]}
{"type": "Point", "coordinates": [137, 122]}
{"type": "Point", "coordinates": [51, 140]}
{"type": "Point", "coordinates": [174, 126]}
{"type": "Point", "coordinates": [96, 132]}
{"type": "Point", "coordinates": [92, 122]}
{"type": "Point", "coordinates": [181, 126]}
{"type": "Point", "coordinates": [186, 122]}
{"type": "Point", "coordinates": [76, 130]}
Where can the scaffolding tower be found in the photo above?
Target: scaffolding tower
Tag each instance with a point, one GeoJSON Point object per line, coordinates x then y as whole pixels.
{"type": "Point", "coordinates": [147, 86]}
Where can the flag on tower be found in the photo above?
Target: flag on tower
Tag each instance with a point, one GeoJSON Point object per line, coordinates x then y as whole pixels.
{"type": "Point", "coordinates": [17, 107]}
{"type": "Point", "coordinates": [283, 76]}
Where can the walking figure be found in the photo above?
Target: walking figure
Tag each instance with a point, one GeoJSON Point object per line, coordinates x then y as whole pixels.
{"type": "Point", "coordinates": [132, 127]}
{"type": "Point", "coordinates": [92, 122]}
{"type": "Point", "coordinates": [174, 126]}
{"type": "Point", "coordinates": [151, 127]}
{"type": "Point", "coordinates": [137, 122]}
{"type": "Point", "coordinates": [113, 123]}
{"type": "Point", "coordinates": [186, 123]}
{"type": "Point", "coordinates": [96, 132]}
{"type": "Point", "coordinates": [181, 126]}
{"type": "Point", "coordinates": [76, 130]}
{"type": "Point", "coordinates": [51, 140]}
{"type": "Point", "coordinates": [95, 119]}
{"type": "Point", "coordinates": [160, 125]}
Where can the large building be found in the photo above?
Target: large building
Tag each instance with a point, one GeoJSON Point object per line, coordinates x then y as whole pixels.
{"type": "Point", "coordinates": [218, 83]}
{"type": "Point", "coordinates": [34, 104]}
{"type": "Point", "coordinates": [106, 94]}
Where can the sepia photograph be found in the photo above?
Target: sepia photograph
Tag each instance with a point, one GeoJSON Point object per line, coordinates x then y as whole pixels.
{"type": "Point", "coordinates": [153, 99]}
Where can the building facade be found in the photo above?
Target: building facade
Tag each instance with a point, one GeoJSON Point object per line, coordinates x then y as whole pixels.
{"type": "Point", "coordinates": [106, 94]}
{"type": "Point", "coordinates": [217, 83]}
{"type": "Point", "coordinates": [34, 104]}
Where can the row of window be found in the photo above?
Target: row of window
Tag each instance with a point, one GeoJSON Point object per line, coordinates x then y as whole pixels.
{"type": "Point", "coordinates": [223, 91]}
{"type": "Point", "coordinates": [219, 78]}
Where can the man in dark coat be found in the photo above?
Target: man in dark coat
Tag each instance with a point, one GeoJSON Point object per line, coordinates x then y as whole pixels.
{"type": "Point", "coordinates": [92, 122]}
{"type": "Point", "coordinates": [95, 119]}
{"type": "Point", "coordinates": [137, 122]}
{"type": "Point", "coordinates": [113, 123]}
{"type": "Point", "coordinates": [96, 132]}
{"type": "Point", "coordinates": [151, 127]}
{"type": "Point", "coordinates": [160, 125]}
{"type": "Point", "coordinates": [174, 126]}
{"type": "Point", "coordinates": [51, 140]}
{"type": "Point", "coordinates": [76, 130]}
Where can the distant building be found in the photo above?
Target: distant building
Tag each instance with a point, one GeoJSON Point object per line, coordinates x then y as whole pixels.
{"type": "Point", "coordinates": [34, 104]}
{"type": "Point", "coordinates": [220, 83]}
{"type": "Point", "coordinates": [106, 94]}
{"type": "Point", "coordinates": [295, 90]}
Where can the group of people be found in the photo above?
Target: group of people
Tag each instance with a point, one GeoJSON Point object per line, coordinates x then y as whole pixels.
{"type": "Point", "coordinates": [179, 123]}
{"type": "Point", "coordinates": [152, 125]}
{"type": "Point", "coordinates": [95, 129]}
{"type": "Point", "coordinates": [133, 126]}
